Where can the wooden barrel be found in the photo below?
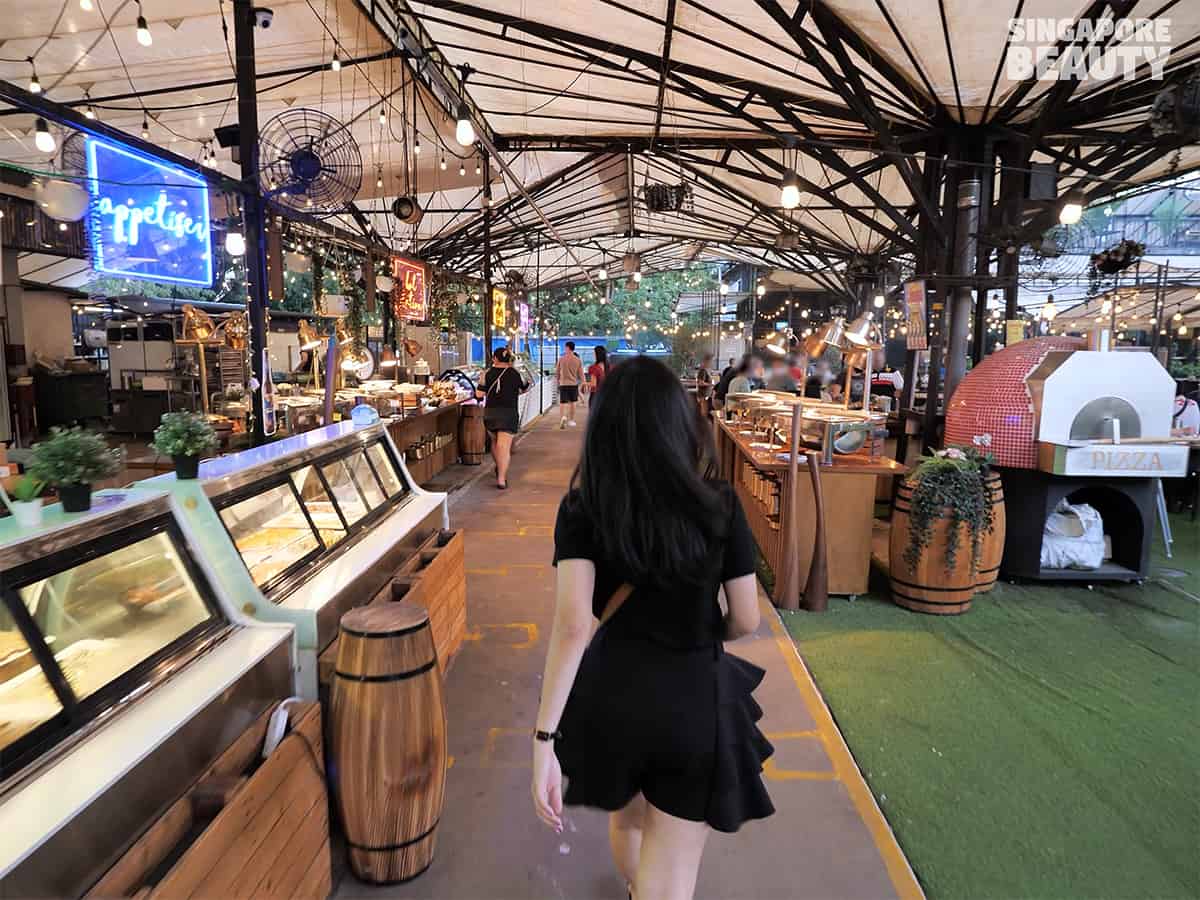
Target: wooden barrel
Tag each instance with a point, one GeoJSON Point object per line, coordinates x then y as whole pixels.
{"type": "Point", "coordinates": [929, 587]}
{"type": "Point", "coordinates": [991, 544]}
{"type": "Point", "coordinates": [388, 743]}
{"type": "Point", "coordinates": [471, 435]}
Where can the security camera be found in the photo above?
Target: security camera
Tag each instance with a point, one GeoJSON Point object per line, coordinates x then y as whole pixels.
{"type": "Point", "coordinates": [263, 16]}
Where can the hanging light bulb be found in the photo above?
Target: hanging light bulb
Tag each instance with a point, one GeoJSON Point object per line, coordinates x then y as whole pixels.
{"type": "Point", "coordinates": [42, 138]}
{"type": "Point", "coordinates": [464, 131]}
{"type": "Point", "coordinates": [89, 113]}
{"type": "Point", "coordinates": [462, 170]}
{"type": "Point", "coordinates": [1178, 317]}
{"type": "Point", "coordinates": [379, 179]}
{"type": "Point", "coordinates": [602, 274]}
{"type": "Point", "coordinates": [145, 128]}
{"type": "Point", "coordinates": [1183, 330]}
{"type": "Point", "coordinates": [417, 145]}
{"type": "Point", "coordinates": [1049, 310]}
{"type": "Point", "coordinates": [382, 112]}
{"type": "Point", "coordinates": [478, 168]}
{"type": "Point", "coordinates": [235, 243]}
{"type": "Point", "coordinates": [335, 64]}
{"type": "Point", "coordinates": [143, 30]}
{"type": "Point", "coordinates": [761, 290]}
{"type": "Point", "coordinates": [724, 289]}
{"type": "Point", "coordinates": [637, 276]}
{"type": "Point", "coordinates": [879, 301]}
{"type": "Point", "coordinates": [1071, 210]}
{"type": "Point", "coordinates": [35, 86]}
{"type": "Point", "coordinates": [86, 5]}
{"type": "Point", "coordinates": [789, 190]}
{"type": "Point", "coordinates": [442, 164]}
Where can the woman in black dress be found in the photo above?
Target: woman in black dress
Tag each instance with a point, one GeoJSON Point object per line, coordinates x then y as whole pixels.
{"type": "Point", "coordinates": [651, 720]}
{"type": "Point", "coordinates": [502, 388]}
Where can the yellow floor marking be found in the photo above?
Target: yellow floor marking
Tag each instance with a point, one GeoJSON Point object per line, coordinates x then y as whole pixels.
{"type": "Point", "coordinates": [506, 570]}
{"type": "Point", "coordinates": [790, 735]}
{"type": "Point", "coordinates": [530, 629]}
{"type": "Point", "coordinates": [532, 530]}
{"type": "Point", "coordinates": [449, 762]}
{"type": "Point", "coordinates": [774, 773]}
{"type": "Point", "coordinates": [844, 767]}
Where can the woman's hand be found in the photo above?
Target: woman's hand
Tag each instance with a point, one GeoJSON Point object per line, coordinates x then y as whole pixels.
{"type": "Point", "coordinates": [547, 785]}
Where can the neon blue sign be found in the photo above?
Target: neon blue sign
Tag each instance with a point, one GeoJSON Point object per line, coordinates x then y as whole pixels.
{"type": "Point", "coordinates": [148, 219]}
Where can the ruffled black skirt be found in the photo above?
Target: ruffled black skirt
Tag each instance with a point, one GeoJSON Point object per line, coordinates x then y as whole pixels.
{"type": "Point", "coordinates": [677, 725]}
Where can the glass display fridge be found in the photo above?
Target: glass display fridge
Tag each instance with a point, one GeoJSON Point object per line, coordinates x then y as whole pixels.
{"type": "Point", "coordinates": [305, 528]}
{"type": "Point", "coordinates": [121, 668]}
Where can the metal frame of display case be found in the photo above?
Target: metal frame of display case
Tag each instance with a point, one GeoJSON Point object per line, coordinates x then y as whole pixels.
{"type": "Point", "coordinates": [72, 547]}
{"type": "Point", "coordinates": [291, 577]}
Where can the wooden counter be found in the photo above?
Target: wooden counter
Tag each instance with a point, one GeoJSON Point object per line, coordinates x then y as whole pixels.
{"type": "Point", "coordinates": [762, 481]}
{"type": "Point", "coordinates": [428, 440]}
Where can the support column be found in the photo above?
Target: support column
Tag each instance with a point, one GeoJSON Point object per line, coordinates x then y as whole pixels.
{"type": "Point", "coordinates": [1012, 190]}
{"type": "Point", "coordinates": [967, 227]}
{"type": "Point", "coordinates": [253, 204]}
{"type": "Point", "coordinates": [983, 258]}
{"type": "Point", "coordinates": [487, 258]}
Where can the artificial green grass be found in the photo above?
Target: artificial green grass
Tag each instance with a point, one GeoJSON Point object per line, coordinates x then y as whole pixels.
{"type": "Point", "coordinates": [1046, 744]}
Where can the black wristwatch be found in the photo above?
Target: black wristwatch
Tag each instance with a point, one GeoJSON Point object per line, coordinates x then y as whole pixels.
{"type": "Point", "coordinates": [547, 735]}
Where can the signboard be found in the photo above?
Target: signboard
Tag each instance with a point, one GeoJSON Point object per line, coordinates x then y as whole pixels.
{"type": "Point", "coordinates": [523, 317]}
{"type": "Point", "coordinates": [148, 219]}
{"type": "Point", "coordinates": [914, 305]}
{"type": "Point", "coordinates": [410, 293]}
{"type": "Point", "coordinates": [499, 308]}
{"type": "Point", "coordinates": [1014, 331]}
{"type": "Point", "coordinates": [1115, 460]}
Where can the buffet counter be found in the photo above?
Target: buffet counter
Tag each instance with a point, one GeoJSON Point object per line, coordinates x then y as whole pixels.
{"type": "Point", "coordinates": [760, 473]}
{"type": "Point", "coordinates": [428, 439]}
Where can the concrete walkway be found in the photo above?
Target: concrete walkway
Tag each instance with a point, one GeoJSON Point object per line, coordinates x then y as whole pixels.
{"type": "Point", "coordinates": [827, 840]}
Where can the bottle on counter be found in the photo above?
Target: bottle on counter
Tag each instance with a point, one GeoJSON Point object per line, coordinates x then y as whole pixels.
{"type": "Point", "coordinates": [268, 395]}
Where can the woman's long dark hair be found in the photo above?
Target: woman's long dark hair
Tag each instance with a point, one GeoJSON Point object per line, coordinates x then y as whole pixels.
{"type": "Point", "coordinates": [602, 357]}
{"type": "Point", "coordinates": [644, 477]}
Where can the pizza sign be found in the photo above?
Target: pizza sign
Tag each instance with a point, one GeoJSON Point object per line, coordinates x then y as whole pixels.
{"type": "Point", "coordinates": [410, 297]}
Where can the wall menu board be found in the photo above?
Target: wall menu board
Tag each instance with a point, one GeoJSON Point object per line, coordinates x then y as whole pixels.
{"type": "Point", "coordinates": [148, 219]}
{"type": "Point", "coordinates": [914, 311]}
{"type": "Point", "coordinates": [499, 308]}
{"type": "Point", "coordinates": [410, 291]}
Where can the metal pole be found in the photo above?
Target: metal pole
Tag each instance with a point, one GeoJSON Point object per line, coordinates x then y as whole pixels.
{"type": "Point", "coordinates": [487, 259]}
{"type": "Point", "coordinates": [253, 216]}
{"type": "Point", "coordinates": [984, 254]}
{"type": "Point", "coordinates": [960, 306]}
{"type": "Point", "coordinates": [541, 331]}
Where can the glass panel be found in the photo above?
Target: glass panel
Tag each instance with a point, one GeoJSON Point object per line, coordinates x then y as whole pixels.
{"type": "Point", "coordinates": [26, 698]}
{"type": "Point", "coordinates": [319, 505]}
{"type": "Point", "coordinates": [107, 615]}
{"type": "Point", "coordinates": [366, 480]}
{"type": "Point", "coordinates": [383, 465]}
{"type": "Point", "coordinates": [344, 491]}
{"type": "Point", "coordinates": [270, 532]}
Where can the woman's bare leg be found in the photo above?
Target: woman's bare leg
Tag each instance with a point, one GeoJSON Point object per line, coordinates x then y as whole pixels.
{"type": "Point", "coordinates": [670, 858]}
{"type": "Point", "coordinates": [502, 451]}
{"type": "Point", "coordinates": [625, 837]}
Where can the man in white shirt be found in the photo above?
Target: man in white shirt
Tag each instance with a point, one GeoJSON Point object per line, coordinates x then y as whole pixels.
{"type": "Point", "coordinates": [569, 373]}
{"type": "Point", "coordinates": [1186, 418]}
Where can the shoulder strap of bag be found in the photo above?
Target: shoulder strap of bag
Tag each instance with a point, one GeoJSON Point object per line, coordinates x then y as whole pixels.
{"type": "Point", "coordinates": [496, 383]}
{"type": "Point", "coordinates": [616, 601]}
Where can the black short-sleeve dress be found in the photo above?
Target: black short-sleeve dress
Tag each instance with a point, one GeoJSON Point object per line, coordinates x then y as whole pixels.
{"type": "Point", "coordinates": [658, 706]}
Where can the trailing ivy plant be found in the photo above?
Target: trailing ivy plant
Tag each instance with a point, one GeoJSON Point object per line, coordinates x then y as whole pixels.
{"type": "Point", "coordinates": [954, 481]}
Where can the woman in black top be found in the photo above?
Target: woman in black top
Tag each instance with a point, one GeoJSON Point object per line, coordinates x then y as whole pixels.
{"type": "Point", "coordinates": [651, 720]}
{"type": "Point", "coordinates": [502, 386]}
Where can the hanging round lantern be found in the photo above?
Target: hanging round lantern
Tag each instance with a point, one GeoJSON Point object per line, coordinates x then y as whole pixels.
{"type": "Point", "coordinates": [62, 200]}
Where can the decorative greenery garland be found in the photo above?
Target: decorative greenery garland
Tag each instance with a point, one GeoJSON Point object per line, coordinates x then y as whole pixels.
{"type": "Point", "coordinates": [954, 479]}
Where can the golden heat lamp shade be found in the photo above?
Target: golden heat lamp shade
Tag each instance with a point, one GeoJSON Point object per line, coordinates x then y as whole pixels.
{"type": "Point", "coordinates": [829, 334]}
{"type": "Point", "coordinates": [861, 334]}
{"type": "Point", "coordinates": [412, 348]}
{"type": "Point", "coordinates": [342, 333]}
{"type": "Point", "coordinates": [354, 358]}
{"type": "Point", "coordinates": [387, 359]}
{"type": "Point", "coordinates": [198, 325]}
{"type": "Point", "coordinates": [237, 331]}
{"type": "Point", "coordinates": [309, 338]}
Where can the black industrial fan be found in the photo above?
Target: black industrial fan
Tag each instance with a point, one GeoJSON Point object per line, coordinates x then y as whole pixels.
{"type": "Point", "coordinates": [309, 161]}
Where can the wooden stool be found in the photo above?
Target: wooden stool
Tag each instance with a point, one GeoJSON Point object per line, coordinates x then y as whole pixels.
{"type": "Point", "coordinates": [388, 740]}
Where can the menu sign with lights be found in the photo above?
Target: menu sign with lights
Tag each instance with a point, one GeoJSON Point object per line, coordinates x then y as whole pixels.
{"type": "Point", "coordinates": [410, 295]}
{"type": "Point", "coordinates": [914, 306]}
{"type": "Point", "coordinates": [499, 308]}
{"type": "Point", "coordinates": [148, 219]}
{"type": "Point", "coordinates": [523, 318]}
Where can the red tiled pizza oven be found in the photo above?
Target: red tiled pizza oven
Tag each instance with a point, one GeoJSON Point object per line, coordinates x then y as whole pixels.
{"type": "Point", "coordinates": [992, 408]}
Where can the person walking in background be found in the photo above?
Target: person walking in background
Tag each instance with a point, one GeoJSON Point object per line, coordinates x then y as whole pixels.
{"type": "Point", "coordinates": [569, 373]}
{"type": "Point", "coordinates": [597, 372]}
{"type": "Point", "coordinates": [742, 381]}
{"type": "Point", "coordinates": [502, 388]}
{"type": "Point", "coordinates": [650, 719]}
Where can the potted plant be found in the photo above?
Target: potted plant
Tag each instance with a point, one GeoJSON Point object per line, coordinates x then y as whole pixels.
{"type": "Point", "coordinates": [72, 459]}
{"type": "Point", "coordinates": [184, 436]}
{"type": "Point", "coordinates": [947, 532]}
{"type": "Point", "coordinates": [25, 503]}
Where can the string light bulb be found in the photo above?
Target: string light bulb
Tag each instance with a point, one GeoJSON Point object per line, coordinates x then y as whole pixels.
{"type": "Point", "coordinates": [86, 5]}
{"type": "Point", "coordinates": [43, 139]}
{"type": "Point", "coordinates": [417, 145]}
{"type": "Point", "coordinates": [464, 131]}
{"type": "Point", "coordinates": [789, 190]}
{"type": "Point", "coordinates": [478, 169]}
{"type": "Point", "coordinates": [442, 164]}
{"type": "Point", "coordinates": [35, 86]}
{"type": "Point", "coordinates": [145, 128]}
{"type": "Point", "coordinates": [144, 37]}
{"type": "Point", "coordinates": [462, 170]}
{"type": "Point", "coordinates": [335, 64]}
{"type": "Point", "coordinates": [879, 301]}
{"type": "Point", "coordinates": [382, 112]}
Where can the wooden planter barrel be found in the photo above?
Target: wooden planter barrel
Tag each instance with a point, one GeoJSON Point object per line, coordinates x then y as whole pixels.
{"type": "Point", "coordinates": [930, 587]}
{"type": "Point", "coordinates": [388, 741]}
{"type": "Point", "coordinates": [471, 436]}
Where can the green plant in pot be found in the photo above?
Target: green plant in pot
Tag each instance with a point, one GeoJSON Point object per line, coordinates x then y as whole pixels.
{"type": "Point", "coordinates": [184, 436]}
{"type": "Point", "coordinates": [950, 483]}
{"type": "Point", "coordinates": [25, 501]}
{"type": "Point", "coordinates": [72, 459]}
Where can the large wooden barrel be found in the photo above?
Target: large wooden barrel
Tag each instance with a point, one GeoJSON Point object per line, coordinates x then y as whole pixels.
{"type": "Point", "coordinates": [388, 743]}
{"type": "Point", "coordinates": [991, 544]}
{"type": "Point", "coordinates": [471, 435]}
{"type": "Point", "coordinates": [929, 587]}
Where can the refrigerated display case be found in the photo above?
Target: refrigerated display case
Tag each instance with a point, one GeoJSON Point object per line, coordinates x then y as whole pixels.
{"type": "Point", "coordinates": [121, 664]}
{"type": "Point", "coordinates": [307, 527]}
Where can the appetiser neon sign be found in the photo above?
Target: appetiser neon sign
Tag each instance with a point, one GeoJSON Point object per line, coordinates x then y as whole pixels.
{"type": "Point", "coordinates": [148, 219]}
